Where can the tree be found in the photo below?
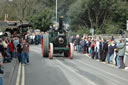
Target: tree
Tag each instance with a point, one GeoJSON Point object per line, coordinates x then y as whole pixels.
{"type": "Point", "coordinates": [81, 14]}
{"type": "Point", "coordinates": [41, 20]}
{"type": "Point", "coordinates": [19, 7]}
{"type": "Point", "coordinates": [97, 14]}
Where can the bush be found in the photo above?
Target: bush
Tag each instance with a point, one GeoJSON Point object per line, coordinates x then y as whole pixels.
{"type": "Point", "coordinates": [81, 31]}
{"type": "Point", "coordinates": [112, 28]}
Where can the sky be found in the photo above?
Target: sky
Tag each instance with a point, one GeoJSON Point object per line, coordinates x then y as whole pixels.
{"type": "Point", "coordinates": [4, 0]}
{"type": "Point", "coordinates": [10, 0]}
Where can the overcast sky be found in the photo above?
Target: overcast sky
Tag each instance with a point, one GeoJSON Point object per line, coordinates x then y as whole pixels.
{"type": "Point", "coordinates": [10, 0]}
{"type": "Point", "coordinates": [5, 0]}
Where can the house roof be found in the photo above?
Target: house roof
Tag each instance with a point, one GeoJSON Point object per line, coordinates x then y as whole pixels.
{"type": "Point", "coordinates": [13, 24]}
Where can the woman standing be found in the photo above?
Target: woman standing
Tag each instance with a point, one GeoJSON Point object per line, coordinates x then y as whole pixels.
{"type": "Point", "coordinates": [122, 47]}
{"type": "Point", "coordinates": [11, 48]}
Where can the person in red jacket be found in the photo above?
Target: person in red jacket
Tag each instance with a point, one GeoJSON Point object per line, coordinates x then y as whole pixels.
{"type": "Point", "coordinates": [11, 48]}
{"type": "Point", "coordinates": [93, 45]}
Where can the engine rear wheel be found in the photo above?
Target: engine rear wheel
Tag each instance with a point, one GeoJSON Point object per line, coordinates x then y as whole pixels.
{"type": "Point", "coordinates": [45, 45]}
{"type": "Point", "coordinates": [71, 51]}
{"type": "Point", "coordinates": [50, 51]}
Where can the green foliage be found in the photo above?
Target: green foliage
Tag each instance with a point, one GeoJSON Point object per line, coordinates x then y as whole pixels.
{"type": "Point", "coordinates": [82, 31]}
{"type": "Point", "coordinates": [112, 29]}
{"type": "Point", "coordinates": [41, 20]}
{"type": "Point", "coordinates": [102, 15]}
{"type": "Point", "coordinates": [97, 14]}
{"type": "Point", "coordinates": [120, 15]}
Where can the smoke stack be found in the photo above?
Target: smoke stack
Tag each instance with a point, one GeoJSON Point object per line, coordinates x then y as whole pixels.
{"type": "Point", "coordinates": [61, 22]}
{"type": "Point", "coordinates": [6, 17]}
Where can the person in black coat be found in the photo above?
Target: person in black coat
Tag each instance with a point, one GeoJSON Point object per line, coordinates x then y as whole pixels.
{"type": "Point", "coordinates": [73, 39]}
{"type": "Point", "coordinates": [1, 47]}
{"type": "Point", "coordinates": [111, 48]}
{"type": "Point", "coordinates": [105, 50]}
{"type": "Point", "coordinates": [101, 49]}
{"type": "Point", "coordinates": [83, 44]}
{"type": "Point", "coordinates": [1, 56]}
{"type": "Point", "coordinates": [88, 45]}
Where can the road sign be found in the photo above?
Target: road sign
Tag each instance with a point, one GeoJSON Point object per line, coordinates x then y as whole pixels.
{"type": "Point", "coordinates": [92, 30]}
{"type": "Point", "coordinates": [127, 24]}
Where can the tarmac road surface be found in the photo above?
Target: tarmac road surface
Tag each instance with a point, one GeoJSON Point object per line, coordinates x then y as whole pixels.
{"type": "Point", "coordinates": [82, 70]}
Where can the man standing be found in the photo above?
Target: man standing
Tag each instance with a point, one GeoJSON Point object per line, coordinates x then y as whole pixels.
{"type": "Point", "coordinates": [98, 48]}
{"type": "Point", "coordinates": [37, 39]}
{"type": "Point", "coordinates": [122, 48]}
{"type": "Point", "coordinates": [73, 39]}
{"type": "Point", "coordinates": [105, 50]}
{"type": "Point", "coordinates": [26, 52]}
{"type": "Point", "coordinates": [88, 45]}
{"type": "Point", "coordinates": [83, 44]}
{"type": "Point", "coordinates": [19, 51]}
{"type": "Point", "coordinates": [15, 43]}
{"type": "Point", "coordinates": [93, 46]}
{"type": "Point", "coordinates": [111, 48]}
{"type": "Point", "coordinates": [78, 43]}
{"type": "Point", "coordinates": [1, 64]}
{"type": "Point", "coordinates": [101, 49]}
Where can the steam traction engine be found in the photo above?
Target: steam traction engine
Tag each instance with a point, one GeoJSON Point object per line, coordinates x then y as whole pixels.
{"type": "Point", "coordinates": [57, 42]}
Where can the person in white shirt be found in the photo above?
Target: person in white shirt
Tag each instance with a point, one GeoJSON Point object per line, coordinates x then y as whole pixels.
{"type": "Point", "coordinates": [97, 48]}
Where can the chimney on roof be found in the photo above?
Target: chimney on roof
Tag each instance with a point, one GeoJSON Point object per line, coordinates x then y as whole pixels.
{"type": "Point", "coordinates": [6, 17]}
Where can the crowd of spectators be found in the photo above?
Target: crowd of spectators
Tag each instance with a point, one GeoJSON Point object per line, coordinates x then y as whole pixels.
{"type": "Point", "coordinates": [10, 48]}
{"type": "Point", "coordinates": [17, 47]}
{"type": "Point", "coordinates": [34, 38]}
{"type": "Point", "coordinates": [101, 49]}
{"type": "Point", "coordinates": [13, 48]}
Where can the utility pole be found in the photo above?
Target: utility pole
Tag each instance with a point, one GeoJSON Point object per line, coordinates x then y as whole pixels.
{"type": "Point", "coordinates": [56, 11]}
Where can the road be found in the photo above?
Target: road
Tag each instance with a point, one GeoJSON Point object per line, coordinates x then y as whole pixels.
{"type": "Point", "coordinates": [82, 70]}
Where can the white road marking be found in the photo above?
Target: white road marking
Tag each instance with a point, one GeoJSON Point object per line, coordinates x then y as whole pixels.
{"type": "Point", "coordinates": [80, 67]}
{"type": "Point", "coordinates": [80, 76]}
{"type": "Point", "coordinates": [72, 70]}
{"type": "Point", "coordinates": [121, 78]}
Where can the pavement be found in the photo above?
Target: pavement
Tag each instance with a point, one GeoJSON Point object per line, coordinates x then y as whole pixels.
{"type": "Point", "coordinates": [81, 70]}
{"type": "Point", "coordinates": [9, 72]}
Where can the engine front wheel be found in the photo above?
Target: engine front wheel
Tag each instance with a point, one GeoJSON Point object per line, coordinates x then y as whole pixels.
{"type": "Point", "coordinates": [50, 51]}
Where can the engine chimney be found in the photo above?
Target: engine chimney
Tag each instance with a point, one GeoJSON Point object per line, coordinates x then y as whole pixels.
{"type": "Point", "coordinates": [6, 17]}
